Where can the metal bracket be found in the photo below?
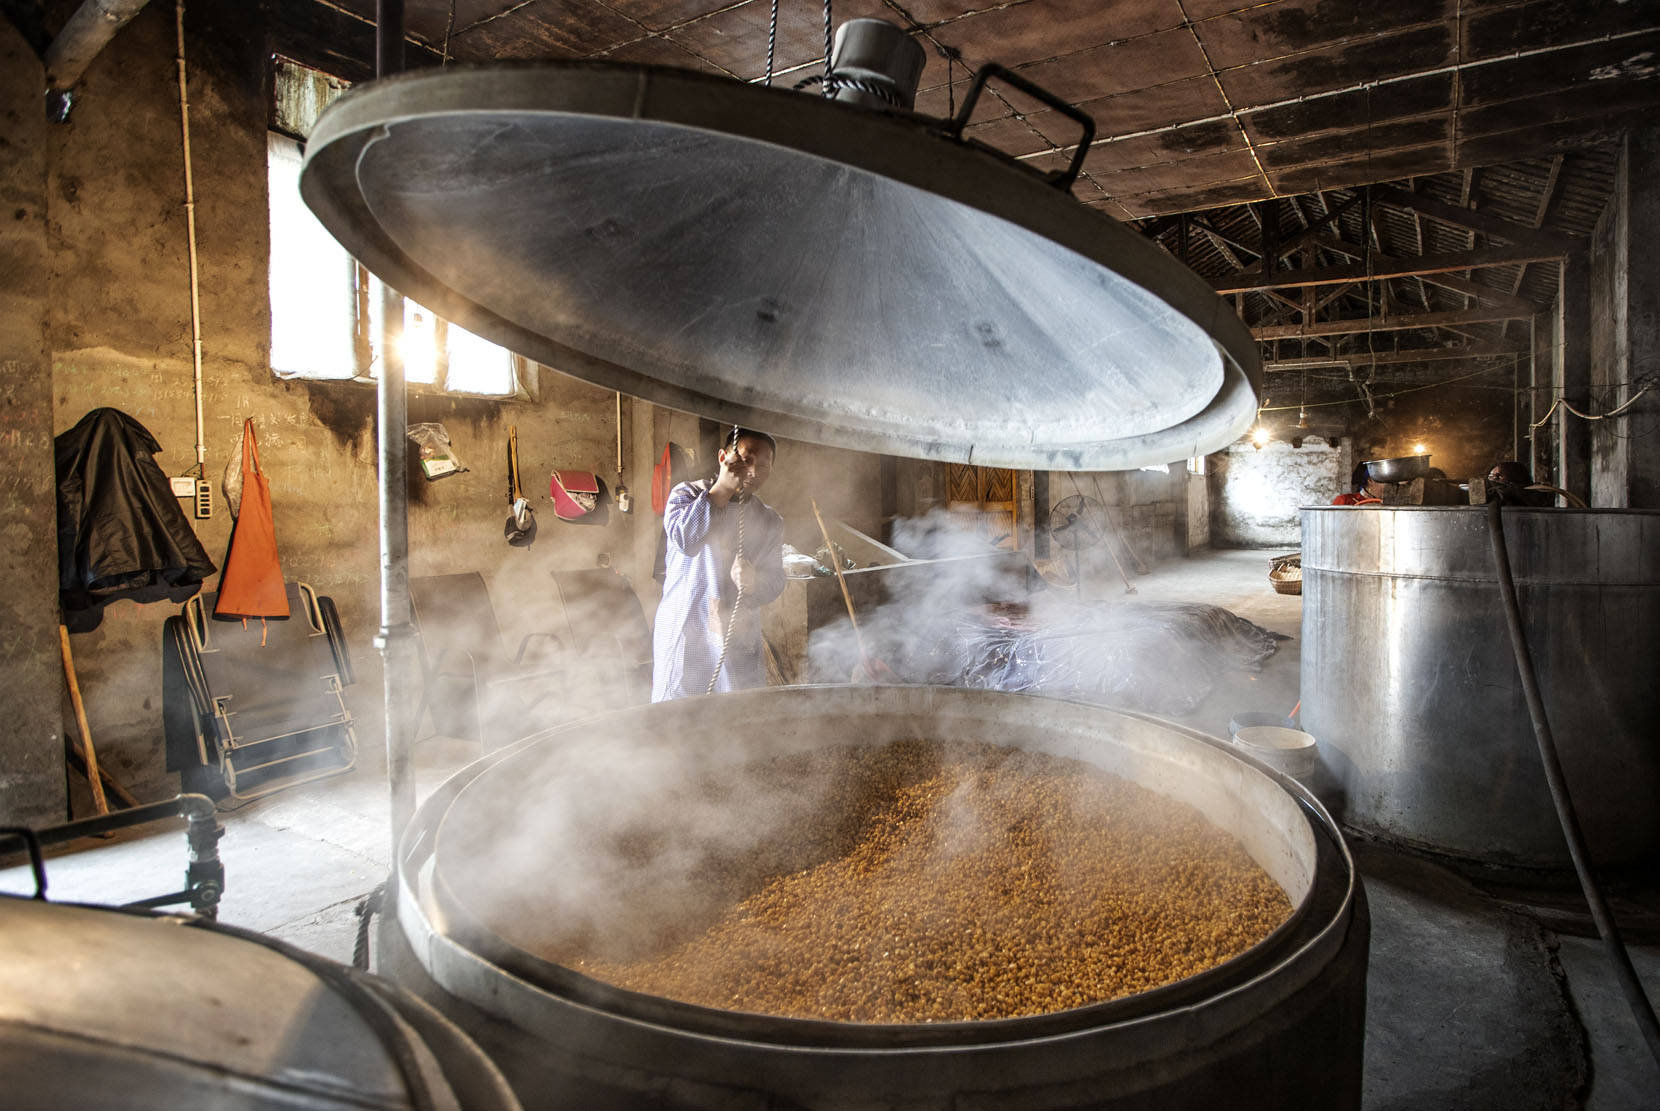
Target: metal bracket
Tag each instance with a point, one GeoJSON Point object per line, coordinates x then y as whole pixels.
{"type": "Point", "coordinates": [1060, 179]}
{"type": "Point", "coordinates": [204, 876]}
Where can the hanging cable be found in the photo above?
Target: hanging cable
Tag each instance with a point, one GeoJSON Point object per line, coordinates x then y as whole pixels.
{"type": "Point", "coordinates": [829, 45]}
{"type": "Point", "coordinates": [738, 601]}
{"type": "Point", "coordinates": [1374, 398]}
{"type": "Point", "coordinates": [772, 40]}
{"type": "Point", "coordinates": [1566, 404]}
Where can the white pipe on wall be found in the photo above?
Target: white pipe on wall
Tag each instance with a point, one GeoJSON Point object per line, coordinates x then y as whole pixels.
{"type": "Point", "coordinates": [190, 229]}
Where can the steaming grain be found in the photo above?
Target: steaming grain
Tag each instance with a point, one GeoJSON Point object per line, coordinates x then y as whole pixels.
{"type": "Point", "coordinates": [949, 882]}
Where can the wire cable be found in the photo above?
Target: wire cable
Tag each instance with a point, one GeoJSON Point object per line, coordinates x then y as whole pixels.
{"type": "Point", "coordinates": [731, 618]}
{"type": "Point", "coordinates": [738, 601]}
{"type": "Point", "coordinates": [772, 40]}
{"type": "Point", "coordinates": [1564, 403]}
{"type": "Point", "coordinates": [1386, 396]}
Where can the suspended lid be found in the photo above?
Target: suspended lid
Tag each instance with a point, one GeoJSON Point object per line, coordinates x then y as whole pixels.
{"type": "Point", "coordinates": [765, 257]}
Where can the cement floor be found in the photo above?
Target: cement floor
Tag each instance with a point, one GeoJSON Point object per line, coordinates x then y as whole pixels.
{"type": "Point", "coordinates": [1473, 1001]}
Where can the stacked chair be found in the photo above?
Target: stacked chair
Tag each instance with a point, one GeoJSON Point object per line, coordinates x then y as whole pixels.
{"type": "Point", "coordinates": [254, 706]}
{"type": "Point", "coordinates": [471, 686]}
{"type": "Point", "coordinates": [595, 655]}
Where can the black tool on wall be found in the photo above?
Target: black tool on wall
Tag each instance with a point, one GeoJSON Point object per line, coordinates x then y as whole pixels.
{"type": "Point", "coordinates": [520, 529]}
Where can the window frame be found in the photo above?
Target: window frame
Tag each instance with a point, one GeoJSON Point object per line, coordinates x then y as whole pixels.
{"type": "Point", "coordinates": [290, 104]}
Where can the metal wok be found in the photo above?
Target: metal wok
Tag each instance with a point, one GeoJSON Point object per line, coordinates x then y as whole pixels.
{"type": "Point", "coordinates": [1404, 469]}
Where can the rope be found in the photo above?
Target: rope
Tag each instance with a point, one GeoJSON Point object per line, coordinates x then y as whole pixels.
{"type": "Point", "coordinates": [836, 82]}
{"type": "Point", "coordinates": [732, 618]}
{"type": "Point", "coordinates": [772, 40]}
{"type": "Point", "coordinates": [829, 87]}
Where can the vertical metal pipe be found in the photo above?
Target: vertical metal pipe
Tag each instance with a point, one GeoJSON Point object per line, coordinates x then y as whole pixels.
{"type": "Point", "coordinates": [1573, 436]}
{"type": "Point", "coordinates": [396, 638]}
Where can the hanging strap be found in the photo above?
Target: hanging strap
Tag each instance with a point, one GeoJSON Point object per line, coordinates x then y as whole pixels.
{"type": "Point", "coordinates": [250, 448]}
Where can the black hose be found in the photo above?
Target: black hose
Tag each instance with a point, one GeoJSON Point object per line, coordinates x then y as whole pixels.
{"type": "Point", "coordinates": [1641, 1010]}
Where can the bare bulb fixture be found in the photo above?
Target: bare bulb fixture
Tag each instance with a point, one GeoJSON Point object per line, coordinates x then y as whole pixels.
{"type": "Point", "coordinates": [1419, 449]}
{"type": "Point", "coordinates": [1260, 436]}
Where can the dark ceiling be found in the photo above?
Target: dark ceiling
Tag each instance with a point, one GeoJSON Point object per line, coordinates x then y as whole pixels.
{"type": "Point", "coordinates": [1198, 103]}
{"type": "Point", "coordinates": [1482, 129]}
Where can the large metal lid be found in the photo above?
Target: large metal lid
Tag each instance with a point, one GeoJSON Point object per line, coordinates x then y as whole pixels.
{"type": "Point", "coordinates": [756, 255]}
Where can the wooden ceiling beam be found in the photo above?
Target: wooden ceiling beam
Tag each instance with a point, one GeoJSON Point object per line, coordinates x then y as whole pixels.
{"type": "Point", "coordinates": [1334, 294]}
{"type": "Point", "coordinates": [1357, 325]}
{"type": "Point", "coordinates": [1414, 355]}
{"type": "Point", "coordinates": [1317, 228]}
{"type": "Point", "coordinates": [1217, 233]}
{"type": "Point", "coordinates": [1383, 267]}
{"type": "Point", "coordinates": [1220, 244]}
{"type": "Point", "coordinates": [1472, 221]}
{"type": "Point", "coordinates": [1483, 294]}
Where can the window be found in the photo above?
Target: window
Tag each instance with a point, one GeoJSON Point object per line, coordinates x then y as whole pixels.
{"type": "Point", "coordinates": [326, 308]}
{"type": "Point", "coordinates": [1196, 465]}
{"type": "Point", "coordinates": [1161, 468]}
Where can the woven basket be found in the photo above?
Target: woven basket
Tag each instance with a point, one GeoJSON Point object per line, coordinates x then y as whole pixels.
{"type": "Point", "coordinates": [1285, 573]}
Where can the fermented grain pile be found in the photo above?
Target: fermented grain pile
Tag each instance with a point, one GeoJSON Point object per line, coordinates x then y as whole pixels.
{"type": "Point", "coordinates": [946, 882]}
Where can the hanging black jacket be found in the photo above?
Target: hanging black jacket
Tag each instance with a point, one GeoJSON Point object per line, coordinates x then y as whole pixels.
{"type": "Point", "coordinates": [121, 533]}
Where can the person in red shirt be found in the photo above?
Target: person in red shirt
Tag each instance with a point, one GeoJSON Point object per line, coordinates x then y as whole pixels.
{"type": "Point", "coordinates": [1364, 490]}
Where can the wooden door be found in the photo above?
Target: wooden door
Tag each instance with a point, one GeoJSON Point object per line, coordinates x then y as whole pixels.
{"type": "Point", "coordinates": [984, 500]}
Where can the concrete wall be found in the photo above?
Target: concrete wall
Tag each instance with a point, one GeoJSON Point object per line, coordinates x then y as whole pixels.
{"type": "Point", "coordinates": [1198, 512]}
{"type": "Point", "coordinates": [1255, 492]}
{"type": "Point", "coordinates": [31, 773]}
{"type": "Point", "coordinates": [1146, 514]}
{"type": "Point", "coordinates": [1465, 430]}
{"type": "Point", "coordinates": [1625, 333]}
{"type": "Point", "coordinates": [116, 278]}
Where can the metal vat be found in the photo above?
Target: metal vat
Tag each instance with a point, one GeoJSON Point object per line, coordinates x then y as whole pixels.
{"type": "Point", "coordinates": [102, 1007]}
{"type": "Point", "coordinates": [1279, 1026]}
{"type": "Point", "coordinates": [1409, 684]}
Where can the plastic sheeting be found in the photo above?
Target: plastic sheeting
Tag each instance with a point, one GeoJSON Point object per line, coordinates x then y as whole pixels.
{"type": "Point", "coordinates": [1159, 657]}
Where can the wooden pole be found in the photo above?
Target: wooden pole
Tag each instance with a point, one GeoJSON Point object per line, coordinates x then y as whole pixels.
{"type": "Point", "coordinates": [93, 777]}
{"type": "Point", "coordinates": [836, 565]}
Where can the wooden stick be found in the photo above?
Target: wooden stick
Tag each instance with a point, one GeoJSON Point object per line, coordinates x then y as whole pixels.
{"type": "Point", "coordinates": [1141, 567]}
{"type": "Point", "coordinates": [1107, 544]}
{"type": "Point", "coordinates": [836, 565]}
{"type": "Point", "coordinates": [89, 754]}
{"type": "Point", "coordinates": [112, 785]}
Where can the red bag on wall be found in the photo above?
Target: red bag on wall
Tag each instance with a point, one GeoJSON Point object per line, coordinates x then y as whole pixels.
{"type": "Point", "coordinates": [251, 585]}
{"type": "Point", "coordinates": [661, 483]}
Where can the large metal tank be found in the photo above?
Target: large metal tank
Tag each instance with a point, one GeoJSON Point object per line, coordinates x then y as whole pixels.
{"type": "Point", "coordinates": [1409, 683]}
{"type": "Point", "coordinates": [1278, 1026]}
{"type": "Point", "coordinates": [102, 1007]}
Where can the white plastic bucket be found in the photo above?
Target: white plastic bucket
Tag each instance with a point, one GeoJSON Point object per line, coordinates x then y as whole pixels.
{"type": "Point", "coordinates": [1290, 751]}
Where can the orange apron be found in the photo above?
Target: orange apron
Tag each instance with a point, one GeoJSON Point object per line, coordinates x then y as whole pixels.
{"type": "Point", "coordinates": [251, 585]}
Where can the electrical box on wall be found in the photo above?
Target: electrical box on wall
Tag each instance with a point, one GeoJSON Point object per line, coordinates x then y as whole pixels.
{"type": "Point", "coordinates": [184, 487]}
{"type": "Point", "coordinates": [204, 499]}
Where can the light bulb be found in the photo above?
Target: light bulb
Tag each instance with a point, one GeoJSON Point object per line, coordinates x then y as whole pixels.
{"type": "Point", "coordinates": [1260, 436]}
{"type": "Point", "coordinates": [1419, 449]}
